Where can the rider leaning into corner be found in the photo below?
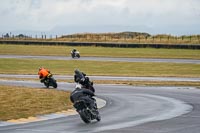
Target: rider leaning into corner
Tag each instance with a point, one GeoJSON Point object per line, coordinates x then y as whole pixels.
{"type": "Point", "coordinates": [43, 73]}
{"type": "Point", "coordinates": [73, 51]}
{"type": "Point", "coordinates": [80, 77]}
{"type": "Point", "coordinates": [85, 95]}
{"type": "Point", "coordinates": [83, 91]}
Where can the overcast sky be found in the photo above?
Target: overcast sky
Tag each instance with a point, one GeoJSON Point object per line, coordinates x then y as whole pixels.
{"type": "Point", "coordinates": [176, 17]}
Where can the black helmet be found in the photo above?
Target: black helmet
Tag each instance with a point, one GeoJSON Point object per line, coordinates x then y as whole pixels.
{"type": "Point", "coordinates": [76, 71]}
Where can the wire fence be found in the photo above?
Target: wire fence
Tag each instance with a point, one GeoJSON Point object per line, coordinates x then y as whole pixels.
{"type": "Point", "coordinates": [193, 39]}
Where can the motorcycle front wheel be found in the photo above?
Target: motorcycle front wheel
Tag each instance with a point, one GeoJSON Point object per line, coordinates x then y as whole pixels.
{"type": "Point", "coordinates": [85, 116]}
{"type": "Point", "coordinates": [98, 117]}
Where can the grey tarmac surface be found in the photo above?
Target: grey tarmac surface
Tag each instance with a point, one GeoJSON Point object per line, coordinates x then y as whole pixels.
{"type": "Point", "coordinates": [129, 109]}
{"type": "Point", "coordinates": [105, 78]}
{"type": "Point", "coordinates": [104, 59]}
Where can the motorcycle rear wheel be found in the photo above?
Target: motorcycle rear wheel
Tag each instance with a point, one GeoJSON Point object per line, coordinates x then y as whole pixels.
{"type": "Point", "coordinates": [46, 84]}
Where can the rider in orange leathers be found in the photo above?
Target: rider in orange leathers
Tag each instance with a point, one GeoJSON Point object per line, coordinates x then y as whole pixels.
{"type": "Point", "coordinates": [43, 73]}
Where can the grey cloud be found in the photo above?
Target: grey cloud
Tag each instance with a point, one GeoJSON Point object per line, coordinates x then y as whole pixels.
{"type": "Point", "coordinates": [35, 4]}
{"type": "Point", "coordinates": [166, 16]}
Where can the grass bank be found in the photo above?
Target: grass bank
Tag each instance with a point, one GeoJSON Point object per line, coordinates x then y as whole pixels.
{"type": "Point", "coordinates": [146, 83]}
{"type": "Point", "coordinates": [150, 83]}
{"type": "Point", "coordinates": [99, 51]}
{"type": "Point", "coordinates": [23, 102]}
{"type": "Point", "coordinates": [30, 66]}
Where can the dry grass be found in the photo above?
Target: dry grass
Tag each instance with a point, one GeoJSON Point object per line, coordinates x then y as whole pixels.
{"type": "Point", "coordinates": [146, 83]}
{"type": "Point", "coordinates": [149, 83]}
{"type": "Point", "coordinates": [29, 66]}
{"type": "Point", "coordinates": [99, 51]}
{"type": "Point", "coordinates": [22, 102]}
{"type": "Point", "coordinates": [150, 40]}
{"type": "Point", "coordinates": [123, 37]}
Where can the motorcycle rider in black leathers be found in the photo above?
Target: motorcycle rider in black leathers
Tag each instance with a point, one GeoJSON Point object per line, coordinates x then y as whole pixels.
{"type": "Point", "coordinates": [86, 95]}
{"type": "Point", "coordinates": [81, 78]}
{"type": "Point", "coordinates": [73, 52]}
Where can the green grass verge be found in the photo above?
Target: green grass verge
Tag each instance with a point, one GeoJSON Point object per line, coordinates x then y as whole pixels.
{"type": "Point", "coordinates": [29, 66]}
{"type": "Point", "coordinates": [99, 51]}
{"type": "Point", "coordinates": [23, 102]}
{"type": "Point", "coordinates": [150, 83]}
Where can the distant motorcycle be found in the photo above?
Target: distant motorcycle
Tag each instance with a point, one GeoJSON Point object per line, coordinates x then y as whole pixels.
{"type": "Point", "coordinates": [86, 114]}
{"type": "Point", "coordinates": [75, 54]}
{"type": "Point", "coordinates": [50, 81]}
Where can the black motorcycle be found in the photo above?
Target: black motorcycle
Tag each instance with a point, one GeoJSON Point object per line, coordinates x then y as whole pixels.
{"type": "Point", "coordinates": [50, 81]}
{"type": "Point", "coordinates": [75, 54]}
{"type": "Point", "coordinates": [86, 114]}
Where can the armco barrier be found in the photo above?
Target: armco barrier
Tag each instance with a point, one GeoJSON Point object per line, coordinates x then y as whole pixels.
{"type": "Point", "coordinates": [121, 45]}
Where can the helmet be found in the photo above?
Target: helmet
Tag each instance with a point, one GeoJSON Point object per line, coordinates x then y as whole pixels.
{"type": "Point", "coordinates": [76, 71]}
{"type": "Point", "coordinates": [40, 68]}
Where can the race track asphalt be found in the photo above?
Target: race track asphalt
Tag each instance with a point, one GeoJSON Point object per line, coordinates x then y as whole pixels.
{"type": "Point", "coordinates": [128, 109]}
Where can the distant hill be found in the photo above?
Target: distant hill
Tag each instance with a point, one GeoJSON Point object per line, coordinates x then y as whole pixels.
{"type": "Point", "coordinates": [113, 35]}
